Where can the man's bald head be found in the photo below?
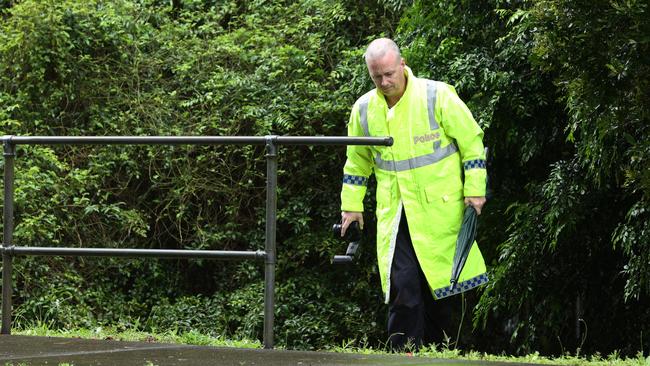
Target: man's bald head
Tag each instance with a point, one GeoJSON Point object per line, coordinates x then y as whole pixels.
{"type": "Point", "coordinates": [380, 47]}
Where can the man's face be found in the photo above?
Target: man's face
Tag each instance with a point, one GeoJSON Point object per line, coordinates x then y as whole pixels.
{"type": "Point", "coordinates": [387, 72]}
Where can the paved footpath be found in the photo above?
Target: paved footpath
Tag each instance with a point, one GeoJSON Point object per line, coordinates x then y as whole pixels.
{"type": "Point", "coordinates": [31, 350]}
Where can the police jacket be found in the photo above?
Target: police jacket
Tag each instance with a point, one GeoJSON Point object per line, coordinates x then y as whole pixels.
{"type": "Point", "coordinates": [436, 160]}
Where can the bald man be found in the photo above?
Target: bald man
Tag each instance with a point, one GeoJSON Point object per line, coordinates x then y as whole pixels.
{"type": "Point", "coordinates": [435, 168]}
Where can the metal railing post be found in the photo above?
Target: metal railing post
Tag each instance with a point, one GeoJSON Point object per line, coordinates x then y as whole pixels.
{"type": "Point", "coordinates": [269, 246]}
{"type": "Point", "coordinates": [7, 231]}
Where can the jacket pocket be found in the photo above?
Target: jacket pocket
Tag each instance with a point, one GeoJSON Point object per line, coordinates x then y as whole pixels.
{"type": "Point", "coordinates": [442, 194]}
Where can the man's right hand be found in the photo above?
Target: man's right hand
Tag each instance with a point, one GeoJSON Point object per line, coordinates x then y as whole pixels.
{"type": "Point", "coordinates": [348, 217]}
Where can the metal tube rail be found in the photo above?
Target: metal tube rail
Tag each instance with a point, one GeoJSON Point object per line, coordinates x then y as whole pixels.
{"type": "Point", "coordinates": [195, 140]}
{"type": "Point", "coordinates": [132, 253]}
{"type": "Point", "coordinates": [271, 144]}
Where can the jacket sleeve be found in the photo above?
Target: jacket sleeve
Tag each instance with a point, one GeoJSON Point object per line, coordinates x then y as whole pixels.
{"type": "Point", "coordinates": [357, 169]}
{"type": "Point", "coordinates": [459, 124]}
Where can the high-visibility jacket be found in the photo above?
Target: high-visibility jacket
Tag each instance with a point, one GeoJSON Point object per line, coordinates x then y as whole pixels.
{"type": "Point", "coordinates": [436, 160]}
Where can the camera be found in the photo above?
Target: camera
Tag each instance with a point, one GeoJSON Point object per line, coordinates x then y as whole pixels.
{"type": "Point", "coordinates": [353, 236]}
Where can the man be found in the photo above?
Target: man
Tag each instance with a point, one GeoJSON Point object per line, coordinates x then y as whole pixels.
{"type": "Point", "coordinates": [435, 167]}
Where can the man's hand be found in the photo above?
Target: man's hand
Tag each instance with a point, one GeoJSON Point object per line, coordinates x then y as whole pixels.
{"type": "Point", "coordinates": [348, 217]}
{"type": "Point", "coordinates": [476, 202]}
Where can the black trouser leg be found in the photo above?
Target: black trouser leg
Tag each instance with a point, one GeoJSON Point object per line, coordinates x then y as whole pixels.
{"type": "Point", "coordinates": [437, 316]}
{"type": "Point", "coordinates": [414, 317]}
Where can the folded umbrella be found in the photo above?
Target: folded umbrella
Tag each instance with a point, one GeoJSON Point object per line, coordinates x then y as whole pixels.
{"type": "Point", "coordinates": [464, 243]}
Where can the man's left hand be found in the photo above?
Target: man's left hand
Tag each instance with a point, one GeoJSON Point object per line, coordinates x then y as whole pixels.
{"type": "Point", "coordinates": [476, 202]}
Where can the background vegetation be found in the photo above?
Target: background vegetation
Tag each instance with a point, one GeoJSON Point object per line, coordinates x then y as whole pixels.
{"type": "Point", "coordinates": [560, 87]}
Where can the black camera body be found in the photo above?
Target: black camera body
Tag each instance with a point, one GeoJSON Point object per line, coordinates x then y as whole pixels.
{"type": "Point", "coordinates": [352, 235]}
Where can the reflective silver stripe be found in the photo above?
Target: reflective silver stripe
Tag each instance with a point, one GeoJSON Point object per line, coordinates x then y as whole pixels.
{"type": "Point", "coordinates": [431, 104]}
{"type": "Point", "coordinates": [391, 247]}
{"type": "Point", "coordinates": [363, 114]}
{"type": "Point", "coordinates": [416, 162]}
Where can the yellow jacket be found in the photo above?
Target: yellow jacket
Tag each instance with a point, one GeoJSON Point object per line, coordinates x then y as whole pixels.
{"type": "Point", "coordinates": [437, 158]}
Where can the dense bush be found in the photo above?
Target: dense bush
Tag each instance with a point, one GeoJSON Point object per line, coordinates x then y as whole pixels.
{"type": "Point", "coordinates": [198, 68]}
{"type": "Point", "coordinates": [562, 90]}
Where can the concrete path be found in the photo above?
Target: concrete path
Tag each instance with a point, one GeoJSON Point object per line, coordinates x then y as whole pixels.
{"type": "Point", "coordinates": [30, 350]}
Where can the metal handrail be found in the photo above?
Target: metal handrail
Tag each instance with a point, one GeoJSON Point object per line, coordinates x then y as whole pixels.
{"type": "Point", "coordinates": [271, 143]}
{"type": "Point", "coordinates": [133, 253]}
{"type": "Point", "coordinates": [196, 140]}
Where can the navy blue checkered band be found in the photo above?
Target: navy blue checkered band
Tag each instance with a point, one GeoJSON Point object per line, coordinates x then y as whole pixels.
{"type": "Point", "coordinates": [474, 164]}
{"type": "Point", "coordinates": [461, 286]}
{"type": "Point", "coordinates": [355, 180]}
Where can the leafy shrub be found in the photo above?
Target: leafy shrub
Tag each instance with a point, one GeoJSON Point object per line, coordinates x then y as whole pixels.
{"type": "Point", "coordinates": [194, 68]}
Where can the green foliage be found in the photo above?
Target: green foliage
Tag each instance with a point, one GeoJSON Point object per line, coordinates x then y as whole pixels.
{"type": "Point", "coordinates": [603, 78]}
{"type": "Point", "coordinates": [594, 205]}
{"type": "Point", "coordinates": [197, 68]}
{"type": "Point", "coordinates": [561, 88]}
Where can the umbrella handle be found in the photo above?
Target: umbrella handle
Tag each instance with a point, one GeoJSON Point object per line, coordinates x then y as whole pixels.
{"type": "Point", "coordinates": [452, 286]}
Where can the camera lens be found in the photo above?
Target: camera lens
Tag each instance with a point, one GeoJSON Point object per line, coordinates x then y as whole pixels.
{"type": "Point", "coordinates": [353, 233]}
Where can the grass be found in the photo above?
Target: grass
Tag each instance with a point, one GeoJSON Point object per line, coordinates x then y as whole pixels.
{"type": "Point", "coordinates": [446, 352]}
{"type": "Point", "coordinates": [443, 352]}
{"type": "Point", "coordinates": [191, 337]}
{"type": "Point", "coordinates": [25, 364]}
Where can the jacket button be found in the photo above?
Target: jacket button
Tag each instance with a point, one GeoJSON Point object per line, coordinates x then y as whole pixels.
{"type": "Point", "coordinates": [445, 198]}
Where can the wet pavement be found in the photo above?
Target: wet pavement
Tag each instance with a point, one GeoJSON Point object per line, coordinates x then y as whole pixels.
{"type": "Point", "coordinates": [31, 350]}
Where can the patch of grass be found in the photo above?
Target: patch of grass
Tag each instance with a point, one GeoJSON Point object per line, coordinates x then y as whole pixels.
{"type": "Point", "coordinates": [26, 364]}
{"type": "Point", "coordinates": [447, 352]}
{"type": "Point", "coordinates": [61, 364]}
{"type": "Point", "coordinates": [107, 333]}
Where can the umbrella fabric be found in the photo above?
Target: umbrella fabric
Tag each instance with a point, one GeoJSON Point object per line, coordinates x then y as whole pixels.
{"type": "Point", "coordinates": [464, 243]}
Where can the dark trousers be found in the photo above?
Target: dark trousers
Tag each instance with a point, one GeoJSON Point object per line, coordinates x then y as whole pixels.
{"type": "Point", "coordinates": [414, 317]}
